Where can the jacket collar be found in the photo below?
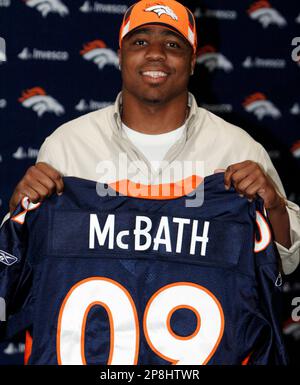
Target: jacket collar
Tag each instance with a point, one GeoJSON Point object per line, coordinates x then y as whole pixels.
{"type": "Point", "coordinates": [117, 112]}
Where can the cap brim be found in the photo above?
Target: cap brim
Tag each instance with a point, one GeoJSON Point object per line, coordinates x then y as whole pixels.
{"type": "Point", "coordinates": [167, 26]}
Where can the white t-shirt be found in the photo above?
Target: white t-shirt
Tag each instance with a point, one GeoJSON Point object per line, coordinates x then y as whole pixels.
{"type": "Point", "coordinates": [153, 147]}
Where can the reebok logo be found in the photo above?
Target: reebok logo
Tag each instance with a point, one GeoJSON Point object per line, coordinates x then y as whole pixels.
{"type": "Point", "coordinates": [162, 10]}
{"type": "Point", "coordinates": [212, 60]}
{"type": "Point", "coordinates": [7, 259]}
{"type": "Point", "coordinates": [265, 14]}
{"type": "Point", "coordinates": [37, 100]}
{"type": "Point", "coordinates": [48, 6]}
{"type": "Point", "coordinates": [258, 104]}
{"type": "Point", "coordinates": [97, 52]}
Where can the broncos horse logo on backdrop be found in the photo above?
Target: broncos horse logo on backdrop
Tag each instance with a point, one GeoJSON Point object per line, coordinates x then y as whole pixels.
{"type": "Point", "coordinates": [98, 52]}
{"type": "Point", "coordinates": [37, 99]}
{"type": "Point", "coordinates": [211, 59]}
{"type": "Point", "coordinates": [295, 149]}
{"type": "Point", "coordinates": [258, 104]}
{"type": "Point", "coordinates": [263, 12]}
{"type": "Point", "coordinates": [48, 6]}
{"type": "Point", "coordinates": [160, 9]}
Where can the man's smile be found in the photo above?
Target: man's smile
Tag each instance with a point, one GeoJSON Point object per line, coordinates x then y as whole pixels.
{"type": "Point", "coordinates": [155, 77]}
{"type": "Point", "coordinates": [155, 74]}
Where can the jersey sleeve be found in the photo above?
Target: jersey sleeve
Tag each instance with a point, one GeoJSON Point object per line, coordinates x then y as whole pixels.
{"type": "Point", "coordinates": [290, 257]}
{"type": "Point", "coordinates": [15, 274]}
{"type": "Point", "coordinates": [270, 349]}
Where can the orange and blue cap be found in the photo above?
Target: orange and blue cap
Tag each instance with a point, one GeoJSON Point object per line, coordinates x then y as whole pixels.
{"type": "Point", "coordinates": [169, 13]}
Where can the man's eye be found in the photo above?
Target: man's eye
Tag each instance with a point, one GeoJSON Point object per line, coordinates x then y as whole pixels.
{"type": "Point", "coordinates": [172, 44]}
{"type": "Point", "coordinates": [140, 42]}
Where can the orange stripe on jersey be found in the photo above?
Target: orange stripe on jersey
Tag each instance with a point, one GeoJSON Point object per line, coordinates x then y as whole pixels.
{"type": "Point", "coordinates": [246, 360]}
{"type": "Point", "coordinates": [28, 347]}
{"type": "Point", "coordinates": [160, 191]}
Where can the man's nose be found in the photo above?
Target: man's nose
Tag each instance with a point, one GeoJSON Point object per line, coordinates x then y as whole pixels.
{"type": "Point", "coordinates": [156, 51]}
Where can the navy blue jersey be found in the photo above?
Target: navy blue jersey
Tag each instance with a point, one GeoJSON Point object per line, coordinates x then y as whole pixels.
{"type": "Point", "coordinates": [124, 280]}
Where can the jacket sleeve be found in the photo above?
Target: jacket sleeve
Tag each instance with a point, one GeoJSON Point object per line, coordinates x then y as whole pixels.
{"type": "Point", "coordinates": [48, 155]}
{"type": "Point", "coordinates": [290, 257]}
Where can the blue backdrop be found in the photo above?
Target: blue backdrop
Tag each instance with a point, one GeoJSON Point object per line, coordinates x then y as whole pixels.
{"type": "Point", "coordinates": [61, 62]}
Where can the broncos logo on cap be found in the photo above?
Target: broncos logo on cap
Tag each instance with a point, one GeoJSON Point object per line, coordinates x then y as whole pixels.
{"type": "Point", "coordinates": [258, 104]}
{"type": "Point", "coordinates": [162, 10]}
{"type": "Point", "coordinates": [212, 60]}
{"type": "Point", "coordinates": [37, 99]}
{"type": "Point", "coordinates": [7, 259]}
{"type": "Point", "coordinates": [98, 52]}
{"type": "Point", "coordinates": [265, 14]}
{"type": "Point", "coordinates": [48, 6]}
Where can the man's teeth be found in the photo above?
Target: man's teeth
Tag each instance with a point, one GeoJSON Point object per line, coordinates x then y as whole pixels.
{"type": "Point", "coordinates": [155, 74]}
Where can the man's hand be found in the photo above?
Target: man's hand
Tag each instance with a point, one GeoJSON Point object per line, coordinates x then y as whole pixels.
{"type": "Point", "coordinates": [39, 182]}
{"type": "Point", "coordinates": [250, 180]}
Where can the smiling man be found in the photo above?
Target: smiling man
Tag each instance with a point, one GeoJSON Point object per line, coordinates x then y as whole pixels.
{"type": "Point", "coordinates": [156, 121]}
{"type": "Point", "coordinates": [179, 284]}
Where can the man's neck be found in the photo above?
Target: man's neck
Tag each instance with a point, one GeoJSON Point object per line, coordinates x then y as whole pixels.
{"type": "Point", "coordinates": [151, 118]}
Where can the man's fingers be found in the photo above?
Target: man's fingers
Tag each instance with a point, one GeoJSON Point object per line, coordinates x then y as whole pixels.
{"type": "Point", "coordinates": [33, 195]}
{"type": "Point", "coordinates": [36, 193]}
{"type": "Point", "coordinates": [244, 183]}
{"type": "Point", "coordinates": [252, 191]}
{"type": "Point", "coordinates": [35, 177]}
{"type": "Point", "coordinates": [59, 185]}
{"type": "Point", "coordinates": [227, 177]}
{"type": "Point", "coordinates": [52, 174]}
{"type": "Point", "coordinates": [39, 182]}
{"type": "Point", "coordinates": [14, 201]}
{"type": "Point", "coordinates": [42, 192]}
{"type": "Point", "coordinates": [238, 172]}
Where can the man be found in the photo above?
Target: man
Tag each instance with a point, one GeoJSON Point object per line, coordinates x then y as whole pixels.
{"type": "Point", "coordinates": [156, 119]}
